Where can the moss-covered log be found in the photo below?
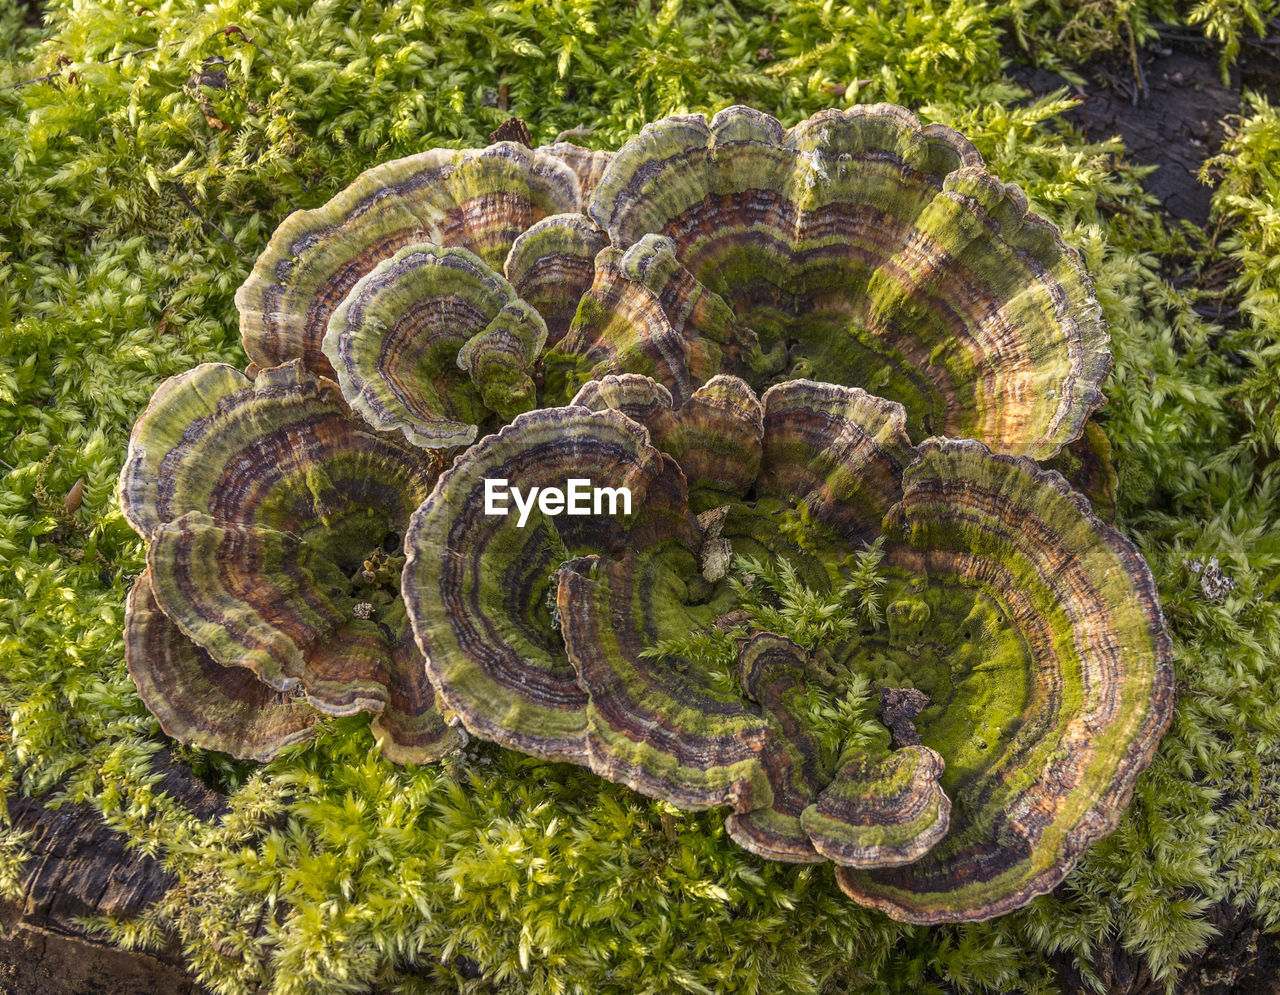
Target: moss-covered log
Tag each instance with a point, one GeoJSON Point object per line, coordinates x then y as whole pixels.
{"type": "Point", "coordinates": [77, 868]}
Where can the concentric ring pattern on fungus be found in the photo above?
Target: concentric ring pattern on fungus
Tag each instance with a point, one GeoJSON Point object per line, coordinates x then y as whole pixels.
{"type": "Point", "coordinates": [804, 354]}
{"type": "Point", "coordinates": [1031, 627]}
{"type": "Point", "coordinates": [878, 253]}
{"type": "Point", "coordinates": [274, 519]}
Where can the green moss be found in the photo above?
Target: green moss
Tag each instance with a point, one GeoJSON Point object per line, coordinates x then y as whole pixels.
{"type": "Point", "coordinates": [1062, 32]}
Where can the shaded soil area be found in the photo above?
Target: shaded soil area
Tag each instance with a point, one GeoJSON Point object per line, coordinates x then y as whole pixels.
{"type": "Point", "coordinates": [1240, 960]}
{"type": "Point", "coordinates": [1172, 119]}
{"type": "Point", "coordinates": [1170, 110]}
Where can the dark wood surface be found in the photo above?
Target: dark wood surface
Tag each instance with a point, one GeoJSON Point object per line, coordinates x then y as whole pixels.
{"type": "Point", "coordinates": [81, 868]}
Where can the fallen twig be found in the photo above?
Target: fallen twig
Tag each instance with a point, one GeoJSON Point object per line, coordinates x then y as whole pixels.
{"type": "Point", "coordinates": [235, 29]}
{"type": "Point", "coordinates": [64, 61]}
{"type": "Point", "coordinates": [196, 211]}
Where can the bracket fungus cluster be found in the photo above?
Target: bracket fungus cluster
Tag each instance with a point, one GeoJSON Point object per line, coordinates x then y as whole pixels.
{"type": "Point", "coordinates": [1029, 627]}
{"type": "Point", "coordinates": [274, 519]}
{"type": "Point", "coordinates": [787, 347]}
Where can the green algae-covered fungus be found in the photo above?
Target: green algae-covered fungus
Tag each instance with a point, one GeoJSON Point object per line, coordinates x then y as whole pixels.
{"type": "Point", "coordinates": [479, 583]}
{"type": "Point", "coordinates": [926, 662]}
{"type": "Point", "coordinates": [405, 339]}
{"type": "Point", "coordinates": [858, 248]}
{"type": "Point", "coordinates": [1052, 679]}
{"type": "Point", "coordinates": [878, 253]}
{"type": "Point", "coordinates": [1024, 656]}
{"type": "Point", "coordinates": [274, 520]}
{"type": "Point", "coordinates": [476, 199]}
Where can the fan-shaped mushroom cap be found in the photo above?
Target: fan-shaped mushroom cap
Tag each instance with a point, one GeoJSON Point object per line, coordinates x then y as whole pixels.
{"type": "Point", "coordinates": [886, 253]}
{"type": "Point", "coordinates": [411, 328]}
{"type": "Point", "coordinates": [476, 199]}
{"type": "Point", "coordinates": [664, 730]}
{"type": "Point", "coordinates": [282, 451]}
{"type": "Point", "coordinates": [715, 436]}
{"type": "Point", "coordinates": [839, 450]}
{"type": "Point", "coordinates": [553, 264]}
{"type": "Point", "coordinates": [1056, 703]}
{"type": "Point", "coordinates": [646, 314]}
{"type": "Point", "coordinates": [640, 398]}
{"type": "Point", "coordinates": [773, 672]}
{"type": "Point", "coordinates": [198, 701]}
{"type": "Point", "coordinates": [880, 811]}
{"type": "Point", "coordinates": [478, 583]}
{"type": "Point", "coordinates": [194, 398]}
{"type": "Point", "coordinates": [261, 501]}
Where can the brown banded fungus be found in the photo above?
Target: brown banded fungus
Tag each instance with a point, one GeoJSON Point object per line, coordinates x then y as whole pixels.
{"type": "Point", "coordinates": [480, 587]}
{"type": "Point", "coordinates": [552, 265]}
{"type": "Point", "coordinates": [858, 248]}
{"type": "Point", "coordinates": [587, 164]}
{"type": "Point", "coordinates": [274, 520]}
{"type": "Point", "coordinates": [876, 253]}
{"type": "Point", "coordinates": [476, 199]}
{"type": "Point", "coordinates": [405, 339]}
{"type": "Point", "coordinates": [861, 808]}
{"type": "Point", "coordinates": [953, 749]}
{"type": "Point", "coordinates": [201, 702]}
{"type": "Point", "coordinates": [716, 437]}
{"type": "Point", "coordinates": [645, 313]}
{"type": "Point", "coordinates": [1058, 687]}
{"type": "Point", "coordinates": [1024, 648]}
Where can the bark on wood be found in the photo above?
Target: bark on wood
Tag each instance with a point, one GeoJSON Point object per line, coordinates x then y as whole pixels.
{"type": "Point", "coordinates": [79, 868]}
